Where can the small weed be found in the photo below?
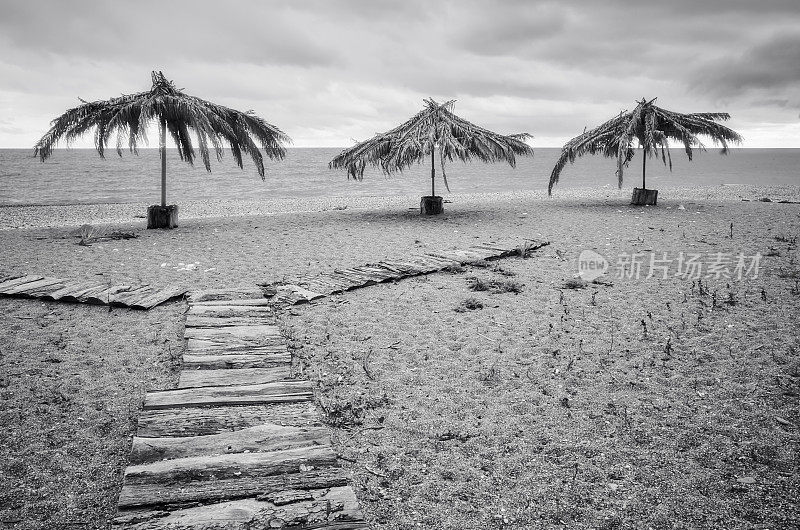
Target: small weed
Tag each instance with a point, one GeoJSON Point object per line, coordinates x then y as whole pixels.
{"type": "Point", "coordinates": [525, 249]}
{"type": "Point", "coordinates": [478, 284]}
{"type": "Point", "coordinates": [455, 268]}
{"type": "Point", "coordinates": [87, 234]}
{"type": "Point", "coordinates": [503, 272]}
{"type": "Point", "coordinates": [792, 241]}
{"type": "Point", "coordinates": [731, 300]}
{"type": "Point", "coordinates": [495, 286]}
{"type": "Point", "coordinates": [506, 286]}
{"type": "Point", "coordinates": [344, 412]}
{"type": "Point", "coordinates": [575, 283]}
{"type": "Point", "coordinates": [481, 263]}
{"type": "Point", "coordinates": [470, 304]}
{"type": "Point", "coordinates": [791, 274]}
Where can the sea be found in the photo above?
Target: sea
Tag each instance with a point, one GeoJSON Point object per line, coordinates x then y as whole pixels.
{"type": "Point", "coordinates": [81, 176]}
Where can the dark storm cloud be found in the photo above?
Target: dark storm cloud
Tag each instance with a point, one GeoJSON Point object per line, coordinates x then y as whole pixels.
{"type": "Point", "coordinates": [237, 31]}
{"type": "Point", "coordinates": [331, 70]}
{"type": "Point", "coordinates": [772, 64]}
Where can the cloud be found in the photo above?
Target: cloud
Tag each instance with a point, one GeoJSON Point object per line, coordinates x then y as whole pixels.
{"type": "Point", "coordinates": [152, 30]}
{"type": "Point", "coordinates": [773, 64]}
{"type": "Point", "coordinates": [328, 71]}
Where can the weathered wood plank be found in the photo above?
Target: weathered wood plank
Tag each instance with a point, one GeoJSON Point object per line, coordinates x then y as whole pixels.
{"type": "Point", "coordinates": [81, 295]}
{"type": "Point", "coordinates": [264, 345]}
{"type": "Point", "coordinates": [241, 333]}
{"type": "Point", "coordinates": [194, 320]}
{"type": "Point", "coordinates": [5, 278]}
{"type": "Point", "coordinates": [136, 496]}
{"type": "Point", "coordinates": [323, 509]}
{"type": "Point", "coordinates": [221, 360]}
{"type": "Point", "coordinates": [240, 466]}
{"type": "Point", "coordinates": [243, 376]}
{"type": "Point", "coordinates": [159, 297]}
{"type": "Point", "coordinates": [107, 295]}
{"type": "Point", "coordinates": [213, 295]}
{"type": "Point", "coordinates": [446, 257]}
{"type": "Point", "coordinates": [222, 310]}
{"type": "Point", "coordinates": [26, 287]}
{"type": "Point", "coordinates": [202, 421]}
{"type": "Point", "coordinates": [68, 287]}
{"type": "Point", "coordinates": [278, 392]}
{"type": "Point", "coordinates": [237, 302]}
{"type": "Point", "coordinates": [257, 439]}
{"type": "Point", "coordinates": [10, 284]}
{"type": "Point", "coordinates": [304, 293]}
{"type": "Point", "coordinates": [135, 293]}
{"type": "Point", "coordinates": [44, 291]}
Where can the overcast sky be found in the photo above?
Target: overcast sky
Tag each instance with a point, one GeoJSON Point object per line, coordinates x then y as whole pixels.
{"type": "Point", "coordinates": [330, 72]}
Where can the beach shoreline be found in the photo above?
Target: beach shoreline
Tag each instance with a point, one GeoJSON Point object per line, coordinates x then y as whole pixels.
{"type": "Point", "coordinates": [74, 215]}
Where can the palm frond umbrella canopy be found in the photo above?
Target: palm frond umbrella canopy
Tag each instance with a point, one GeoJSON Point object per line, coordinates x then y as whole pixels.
{"type": "Point", "coordinates": [178, 113]}
{"type": "Point", "coordinates": [652, 127]}
{"type": "Point", "coordinates": [435, 129]}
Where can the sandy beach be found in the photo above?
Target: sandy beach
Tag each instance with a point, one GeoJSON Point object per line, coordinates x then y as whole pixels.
{"type": "Point", "coordinates": [629, 404]}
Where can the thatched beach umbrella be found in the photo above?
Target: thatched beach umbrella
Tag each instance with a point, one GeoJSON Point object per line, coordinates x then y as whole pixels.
{"type": "Point", "coordinates": [178, 113]}
{"type": "Point", "coordinates": [652, 127]}
{"type": "Point", "coordinates": [434, 129]}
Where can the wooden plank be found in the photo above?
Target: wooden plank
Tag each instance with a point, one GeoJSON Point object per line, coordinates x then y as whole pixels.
{"type": "Point", "coordinates": [201, 421]}
{"type": "Point", "coordinates": [5, 278]}
{"type": "Point", "coordinates": [194, 320]}
{"type": "Point", "coordinates": [242, 466]}
{"type": "Point", "coordinates": [237, 302]}
{"type": "Point", "coordinates": [495, 250]}
{"type": "Point", "coordinates": [234, 360]}
{"type": "Point", "coordinates": [256, 345]}
{"type": "Point", "coordinates": [80, 295]}
{"type": "Point", "coordinates": [257, 439]}
{"type": "Point", "coordinates": [106, 296]}
{"type": "Point", "coordinates": [407, 268]}
{"type": "Point", "coordinates": [241, 333]}
{"type": "Point", "coordinates": [244, 376]}
{"type": "Point", "coordinates": [45, 290]}
{"type": "Point", "coordinates": [446, 257]}
{"type": "Point", "coordinates": [351, 277]}
{"type": "Point", "coordinates": [359, 275]}
{"type": "Point", "coordinates": [391, 268]}
{"type": "Point", "coordinates": [159, 297]}
{"type": "Point", "coordinates": [213, 295]}
{"type": "Point", "coordinates": [125, 298]}
{"type": "Point", "coordinates": [26, 287]}
{"type": "Point", "coordinates": [340, 504]}
{"type": "Point", "coordinates": [305, 293]}
{"type": "Point", "coordinates": [475, 254]}
{"type": "Point", "coordinates": [226, 311]}
{"type": "Point", "coordinates": [10, 284]}
{"type": "Point", "coordinates": [68, 287]}
{"type": "Point", "coordinates": [379, 275]}
{"type": "Point", "coordinates": [318, 286]}
{"type": "Point", "coordinates": [278, 392]}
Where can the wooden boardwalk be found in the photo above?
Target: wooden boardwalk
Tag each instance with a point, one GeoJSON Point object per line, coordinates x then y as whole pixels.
{"type": "Point", "coordinates": [87, 291]}
{"type": "Point", "coordinates": [311, 288]}
{"type": "Point", "coordinates": [239, 444]}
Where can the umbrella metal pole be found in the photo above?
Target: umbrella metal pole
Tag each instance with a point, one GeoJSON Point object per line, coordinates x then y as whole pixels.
{"type": "Point", "coordinates": [433, 175]}
{"type": "Point", "coordinates": [163, 149]}
{"type": "Point", "coordinates": [644, 166]}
